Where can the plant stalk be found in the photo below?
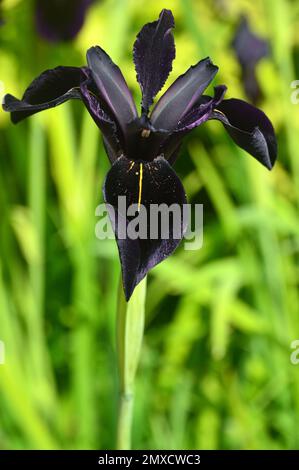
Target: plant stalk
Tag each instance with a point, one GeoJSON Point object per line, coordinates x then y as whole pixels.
{"type": "Point", "coordinates": [130, 328]}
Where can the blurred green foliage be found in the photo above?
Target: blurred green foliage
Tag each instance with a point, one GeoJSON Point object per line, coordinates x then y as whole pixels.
{"type": "Point", "coordinates": [215, 370]}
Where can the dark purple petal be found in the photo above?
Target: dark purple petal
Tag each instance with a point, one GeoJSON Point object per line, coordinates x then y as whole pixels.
{"type": "Point", "coordinates": [202, 110]}
{"type": "Point", "coordinates": [50, 89]}
{"type": "Point", "coordinates": [160, 184]}
{"type": "Point", "coordinates": [251, 85]}
{"type": "Point", "coordinates": [111, 86]}
{"type": "Point", "coordinates": [60, 20]}
{"type": "Point", "coordinates": [105, 122]}
{"type": "Point", "coordinates": [182, 95]}
{"type": "Point", "coordinates": [56, 86]}
{"type": "Point", "coordinates": [198, 114]}
{"type": "Point", "coordinates": [249, 49]}
{"type": "Point", "coordinates": [250, 128]}
{"type": "Point", "coordinates": [1, 14]}
{"type": "Point", "coordinates": [154, 51]}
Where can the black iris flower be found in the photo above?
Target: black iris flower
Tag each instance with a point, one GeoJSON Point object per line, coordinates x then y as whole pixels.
{"type": "Point", "coordinates": [1, 14]}
{"type": "Point", "coordinates": [143, 148]}
{"type": "Point", "coordinates": [60, 20]}
{"type": "Point", "coordinates": [249, 49]}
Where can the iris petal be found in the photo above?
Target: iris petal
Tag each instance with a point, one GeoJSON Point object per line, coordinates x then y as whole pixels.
{"type": "Point", "coordinates": [249, 49]}
{"type": "Point", "coordinates": [154, 51]}
{"type": "Point", "coordinates": [51, 88]}
{"type": "Point", "coordinates": [250, 128]}
{"type": "Point", "coordinates": [198, 114]}
{"type": "Point", "coordinates": [160, 184]}
{"type": "Point", "coordinates": [112, 86]}
{"type": "Point", "coordinates": [60, 20]}
{"type": "Point", "coordinates": [182, 95]}
{"type": "Point", "coordinates": [202, 110]}
{"type": "Point", "coordinates": [54, 87]}
{"type": "Point", "coordinates": [105, 122]}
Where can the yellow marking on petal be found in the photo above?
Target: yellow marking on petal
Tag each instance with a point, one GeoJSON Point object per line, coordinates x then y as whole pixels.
{"type": "Point", "coordinates": [220, 112]}
{"type": "Point", "coordinates": [140, 185]}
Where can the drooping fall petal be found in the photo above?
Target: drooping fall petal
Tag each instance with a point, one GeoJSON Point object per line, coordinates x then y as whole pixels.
{"type": "Point", "coordinates": [250, 128]}
{"type": "Point", "coordinates": [147, 183]}
{"type": "Point", "coordinates": [51, 88]}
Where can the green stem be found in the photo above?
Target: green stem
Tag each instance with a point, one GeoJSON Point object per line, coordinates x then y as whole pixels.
{"type": "Point", "coordinates": [130, 327]}
{"type": "Point", "coordinates": [125, 419]}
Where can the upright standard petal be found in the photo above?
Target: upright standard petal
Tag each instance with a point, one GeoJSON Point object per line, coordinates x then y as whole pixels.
{"type": "Point", "coordinates": [182, 95]}
{"type": "Point", "coordinates": [60, 20]}
{"type": "Point", "coordinates": [144, 184]}
{"type": "Point", "coordinates": [106, 123]}
{"type": "Point", "coordinates": [250, 128]}
{"type": "Point", "coordinates": [198, 114]}
{"type": "Point", "coordinates": [112, 86]}
{"type": "Point", "coordinates": [202, 110]}
{"type": "Point", "coordinates": [50, 89]}
{"type": "Point", "coordinates": [154, 51]}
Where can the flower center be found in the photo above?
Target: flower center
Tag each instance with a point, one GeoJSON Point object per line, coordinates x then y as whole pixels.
{"type": "Point", "coordinates": [145, 133]}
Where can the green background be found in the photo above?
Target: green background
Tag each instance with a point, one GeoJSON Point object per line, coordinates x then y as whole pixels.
{"type": "Point", "coordinates": [215, 370]}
